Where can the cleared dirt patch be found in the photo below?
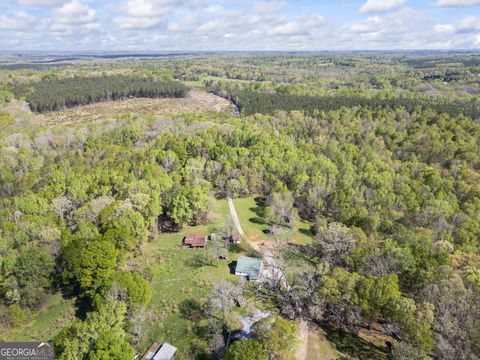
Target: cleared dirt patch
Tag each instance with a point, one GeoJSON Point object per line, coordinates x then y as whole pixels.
{"type": "Point", "coordinates": [195, 101]}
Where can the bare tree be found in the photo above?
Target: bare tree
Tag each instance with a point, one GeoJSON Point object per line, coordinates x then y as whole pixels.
{"type": "Point", "coordinates": [227, 229]}
{"type": "Point", "coordinates": [225, 296]}
{"type": "Point", "coordinates": [281, 210]}
{"type": "Point", "coordinates": [63, 206]}
{"type": "Point", "coordinates": [457, 318]}
{"type": "Point", "coordinates": [335, 242]}
{"type": "Point", "coordinates": [137, 320]}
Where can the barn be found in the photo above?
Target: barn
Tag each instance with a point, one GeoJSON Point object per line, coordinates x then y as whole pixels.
{"type": "Point", "coordinates": [194, 241]}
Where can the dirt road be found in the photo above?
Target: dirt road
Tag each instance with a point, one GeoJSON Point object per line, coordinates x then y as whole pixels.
{"type": "Point", "coordinates": [235, 219]}
{"type": "Point", "coordinates": [271, 270]}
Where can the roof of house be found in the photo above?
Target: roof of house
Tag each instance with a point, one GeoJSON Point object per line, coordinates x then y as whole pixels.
{"type": "Point", "coordinates": [194, 240]}
{"type": "Point", "coordinates": [249, 266]}
{"type": "Point", "coordinates": [151, 351]}
{"type": "Point", "coordinates": [166, 352]}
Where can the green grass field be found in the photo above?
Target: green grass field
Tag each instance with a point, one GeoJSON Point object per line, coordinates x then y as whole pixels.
{"type": "Point", "coordinates": [250, 211]}
{"type": "Point", "coordinates": [44, 324]}
{"type": "Point", "coordinates": [181, 282]}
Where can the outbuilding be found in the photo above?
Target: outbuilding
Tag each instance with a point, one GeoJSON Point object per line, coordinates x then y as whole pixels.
{"type": "Point", "coordinates": [194, 241]}
{"type": "Point", "coordinates": [160, 352]}
{"type": "Point", "coordinates": [234, 238]}
{"type": "Point", "coordinates": [166, 352]}
{"type": "Point", "coordinates": [249, 267]}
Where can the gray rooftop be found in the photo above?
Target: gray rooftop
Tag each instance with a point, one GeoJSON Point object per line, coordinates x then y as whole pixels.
{"type": "Point", "coordinates": [166, 352]}
{"type": "Point", "coordinates": [249, 266]}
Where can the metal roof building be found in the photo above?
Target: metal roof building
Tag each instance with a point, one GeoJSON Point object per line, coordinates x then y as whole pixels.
{"type": "Point", "coordinates": [249, 267]}
{"type": "Point", "coordinates": [194, 241]}
{"type": "Point", "coordinates": [166, 352]}
{"type": "Point", "coordinates": [151, 351]}
{"type": "Point", "coordinates": [157, 352]}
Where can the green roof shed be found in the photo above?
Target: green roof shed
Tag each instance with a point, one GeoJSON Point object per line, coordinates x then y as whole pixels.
{"type": "Point", "coordinates": [249, 267]}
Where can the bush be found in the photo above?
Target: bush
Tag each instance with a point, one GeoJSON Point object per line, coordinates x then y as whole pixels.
{"type": "Point", "coordinates": [6, 118]}
{"type": "Point", "coordinates": [16, 315]}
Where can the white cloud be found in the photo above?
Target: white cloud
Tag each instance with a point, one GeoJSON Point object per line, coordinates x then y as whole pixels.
{"type": "Point", "coordinates": [458, 2]}
{"type": "Point", "coordinates": [477, 40]}
{"type": "Point", "coordinates": [371, 25]}
{"type": "Point", "coordinates": [269, 6]}
{"type": "Point", "coordinates": [187, 23]}
{"type": "Point", "coordinates": [381, 5]}
{"type": "Point", "coordinates": [469, 24]}
{"type": "Point", "coordinates": [39, 2]}
{"type": "Point", "coordinates": [15, 21]}
{"type": "Point", "coordinates": [125, 22]}
{"type": "Point", "coordinates": [74, 12]}
{"type": "Point", "coordinates": [298, 26]}
{"type": "Point", "coordinates": [150, 8]}
{"type": "Point", "coordinates": [146, 14]}
{"type": "Point", "coordinates": [444, 28]}
{"type": "Point", "coordinates": [230, 25]}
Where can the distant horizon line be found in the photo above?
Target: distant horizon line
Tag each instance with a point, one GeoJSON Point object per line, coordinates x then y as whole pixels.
{"type": "Point", "coordinates": [144, 51]}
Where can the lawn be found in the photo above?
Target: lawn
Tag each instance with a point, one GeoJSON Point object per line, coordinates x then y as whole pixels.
{"type": "Point", "coordinates": [44, 324]}
{"type": "Point", "coordinates": [181, 282]}
{"type": "Point", "coordinates": [250, 212]}
{"type": "Point", "coordinates": [319, 347]}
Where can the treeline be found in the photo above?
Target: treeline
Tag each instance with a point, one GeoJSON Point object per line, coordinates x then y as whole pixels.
{"type": "Point", "coordinates": [252, 102]}
{"type": "Point", "coordinates": [57, 94]}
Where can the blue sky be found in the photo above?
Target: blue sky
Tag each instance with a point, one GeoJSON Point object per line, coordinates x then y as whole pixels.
{"type": "Point", "coordinates": [239, 25]}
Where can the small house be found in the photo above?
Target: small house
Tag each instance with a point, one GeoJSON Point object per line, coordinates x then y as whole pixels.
{"type": "Point", "coordinates": [212, 237]}
{"type": "Point", "coordinates": [194, 241]}
{"type": "Point", "coordinates": [160, 352]}
{"type": "Point", "coordinates": [234, 238]}
{"type": "Point", "coordinates": [249, 267]}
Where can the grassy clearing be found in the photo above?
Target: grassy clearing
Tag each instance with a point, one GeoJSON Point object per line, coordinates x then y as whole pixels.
{"type": "Point", "coordinates": [318, 347]}
{"type": "Point", "coordinates": [195, 101]}
{"type": "Point", "coordinates": [44, 324]}
{"type": "Point", "coordinates": [250, 212]}
{"type": "Point", "coordinates": [181, 282]}
{"type": "Point", "coordinates": [356, 347]}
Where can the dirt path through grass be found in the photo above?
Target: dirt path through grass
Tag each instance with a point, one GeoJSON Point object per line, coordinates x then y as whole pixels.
{"type": "Point", "coordinates": [302, 336]}
{"type": "Point", "coordinates": [303, 332]}
{"type": "Point", "coordinates": [236, 220]}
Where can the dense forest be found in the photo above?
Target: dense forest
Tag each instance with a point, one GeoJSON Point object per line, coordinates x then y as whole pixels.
{"type": "Point", "coordinates": [252, 102]}
{"type": "Point", "coordinates": [57, 94]}
{"type": "Point", "coordinates": [391, 189]}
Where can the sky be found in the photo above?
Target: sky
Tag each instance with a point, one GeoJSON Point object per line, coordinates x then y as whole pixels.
{"type": "Point", "coordinates": [205, 25]}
